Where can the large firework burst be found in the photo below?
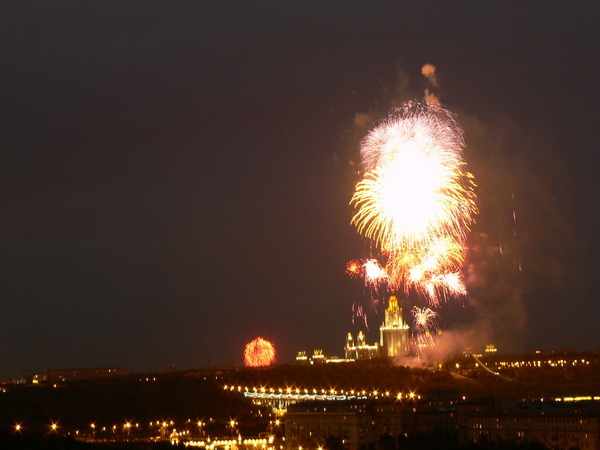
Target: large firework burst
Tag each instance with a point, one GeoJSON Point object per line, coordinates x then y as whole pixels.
{"type": "Point", "coordinates": [259, 353]}
{"type": "Point", "coordinates": [416, 201]}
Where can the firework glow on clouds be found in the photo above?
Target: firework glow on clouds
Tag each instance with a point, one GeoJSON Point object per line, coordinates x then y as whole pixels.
{"type": "Point", "coordinates": [416, 204]}
{"type": "Point", "coordinates": [259, 353]}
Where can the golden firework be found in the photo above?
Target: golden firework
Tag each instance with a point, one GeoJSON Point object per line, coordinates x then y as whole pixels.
{"type": "Point", "coordinates": [416, 201]}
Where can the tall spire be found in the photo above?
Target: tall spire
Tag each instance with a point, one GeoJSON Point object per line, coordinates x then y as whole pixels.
{"type": "Point", "coordinates": [394, 331]}
{"type": "Point", "coordinates": [393, 314]}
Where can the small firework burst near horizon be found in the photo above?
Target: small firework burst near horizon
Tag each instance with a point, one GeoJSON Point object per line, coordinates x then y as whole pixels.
{"type": "Point", "coordinates": [259, 353]}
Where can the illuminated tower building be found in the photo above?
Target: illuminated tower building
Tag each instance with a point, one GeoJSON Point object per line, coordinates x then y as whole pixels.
{"type": "Point", "coordinates": [394, 331]}
{"type": "Point", "coordinates": [350, 348]}
{"type": "Point", "coordinates": [360, 350]}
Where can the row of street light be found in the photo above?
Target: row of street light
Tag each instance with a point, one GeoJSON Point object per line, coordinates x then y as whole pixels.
{"type": "Point", "coordinates": [128, 426]}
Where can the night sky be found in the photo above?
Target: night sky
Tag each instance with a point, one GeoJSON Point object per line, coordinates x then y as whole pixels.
{"type": "Point", "coordinates": [175, 176]}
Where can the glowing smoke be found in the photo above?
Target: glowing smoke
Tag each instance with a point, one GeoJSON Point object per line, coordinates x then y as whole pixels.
{"type": "Point", "coordinates": [428, 71]}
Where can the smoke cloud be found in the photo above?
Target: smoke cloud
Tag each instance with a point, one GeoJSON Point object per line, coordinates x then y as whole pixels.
{"type": "Point", "coordinates": [450, 342]}
{"type": "Point", "coordinates": [430, 97]}
{"type": "Point", "coordinates": [428, 71]}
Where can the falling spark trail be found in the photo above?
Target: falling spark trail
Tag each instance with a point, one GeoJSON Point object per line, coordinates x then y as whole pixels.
{"type": "Point", "coordinates": [359, 313]}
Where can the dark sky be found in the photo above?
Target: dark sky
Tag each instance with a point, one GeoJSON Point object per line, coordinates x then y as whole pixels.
{"type": "Point", "coordinates": [175, 176]}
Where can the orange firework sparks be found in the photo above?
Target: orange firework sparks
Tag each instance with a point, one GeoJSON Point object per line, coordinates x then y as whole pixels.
{"type": "Point", "coordinates": [415, 268]}
{"type": "Point", "coordinates": [416, 201]}
{"type": "Point", "coordinates": [354, 268]}
{"type": "Point", "coordinates": [259, 353]}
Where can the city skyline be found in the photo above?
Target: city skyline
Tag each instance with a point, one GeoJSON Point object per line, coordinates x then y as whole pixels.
{"type": "Point", "coordinates": [177, 178]}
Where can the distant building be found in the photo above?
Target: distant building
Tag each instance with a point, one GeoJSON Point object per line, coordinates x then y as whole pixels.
{"type": "Point", "coordinates": [394, 341]}
{"type": "Point", "coordinates": [394, 331]}
{"type": "Point", "coordinates": [58, 375]}
{"type": "Point", "coordinates": [362, 423]}
{"type": "Point", "coordinates": [318, 356]}
{"type": "Point", "coordinates": [394, 337]}
{"type": "Point", "coordinates": [302, 357]}
{"type": "Point", "coordinates": [310, 424]}
{"type": "Point", "coordinates": [360, 350]}
{"type": "Point", "coordinates": [575, 426]}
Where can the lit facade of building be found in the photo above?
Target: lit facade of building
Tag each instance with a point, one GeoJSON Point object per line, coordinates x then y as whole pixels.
{"type": "Point", "coordinates": [310, 424]}
{"type": "Point", "coordinates": [360, 350]}
{"type": "Point", "coordinates": [55, 375]}
{"type": "Point", "coordinates": [317, 357]}
{"type": "Point", "coordinates": [553, 429]}
{"type": "Point", "coordinates": [394, 331]}
{"type": "Point", "coordinates": [394, 341]}
{"type": "Point", "coordinates": [360, 424]}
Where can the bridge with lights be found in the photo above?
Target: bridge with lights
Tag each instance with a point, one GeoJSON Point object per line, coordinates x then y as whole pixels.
{"type": "Point", "coordinates": [278, 399]}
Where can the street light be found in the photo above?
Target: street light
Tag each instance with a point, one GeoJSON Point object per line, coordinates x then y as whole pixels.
{"type": "Point", "coordinates": [232, 424]}
{"type": "Point", "coordinates": [128, 427]}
